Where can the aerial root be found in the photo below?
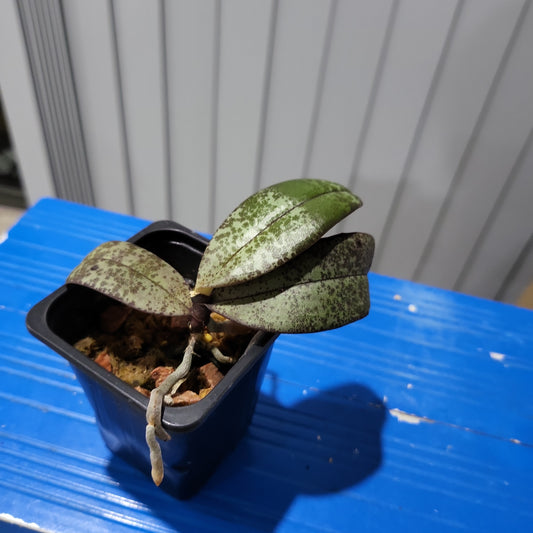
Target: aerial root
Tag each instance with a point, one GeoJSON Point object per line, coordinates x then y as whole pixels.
{"type": "Point", "coordinates": [154, 412]}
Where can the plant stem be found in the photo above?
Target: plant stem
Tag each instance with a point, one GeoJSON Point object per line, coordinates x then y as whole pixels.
{"type": "Point", "coordinates": [154, 411]}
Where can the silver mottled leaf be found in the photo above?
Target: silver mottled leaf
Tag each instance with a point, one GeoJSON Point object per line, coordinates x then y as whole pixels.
{"type": "Point", "coordinates": [270, 228]}
{"type": "Point", "coordinates": [135, 277]}
{"type": "Point", "coordinates": [323, 288]}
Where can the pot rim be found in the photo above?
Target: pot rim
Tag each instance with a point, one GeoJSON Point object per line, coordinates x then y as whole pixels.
{"type": "Point", "coordinates": [182, 418]}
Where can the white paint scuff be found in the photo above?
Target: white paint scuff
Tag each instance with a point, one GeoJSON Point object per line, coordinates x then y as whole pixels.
{"type": "Point", "coordinates": [495, 356]}
{"type": "Point", "coordinates": [408, 418]}
{"type": "Point", "coordinates": [10, 519]}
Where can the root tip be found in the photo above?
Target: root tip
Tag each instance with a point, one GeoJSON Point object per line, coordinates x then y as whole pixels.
{"type": "Point", "coordinates": [157, 478]}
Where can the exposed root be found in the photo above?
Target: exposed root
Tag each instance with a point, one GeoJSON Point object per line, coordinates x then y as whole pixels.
{"type": "Point", "coordinates": [220, 357]}
{"type": "Point", "coordinates": [156, 459]}
{"type": "Point", "coordinates": [154, 413]}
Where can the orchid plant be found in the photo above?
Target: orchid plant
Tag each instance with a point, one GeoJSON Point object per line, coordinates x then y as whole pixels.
{"type": "Point", "coordinates": [267, 267]}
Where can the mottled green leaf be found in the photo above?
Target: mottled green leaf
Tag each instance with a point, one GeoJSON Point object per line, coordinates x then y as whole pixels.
{"type": "Point", "coordinates": [135, 277]}
{"type": "Point", "coordinates": [323, 288]}
{"type": "Point", "coordinates": [270, 228]}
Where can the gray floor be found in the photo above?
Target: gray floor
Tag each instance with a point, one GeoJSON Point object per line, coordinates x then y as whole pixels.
{"type": "Point", "coordinates": [8, 217]}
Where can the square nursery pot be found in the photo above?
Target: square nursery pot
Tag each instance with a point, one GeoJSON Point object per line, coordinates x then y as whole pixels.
{"type": "Point", "coordinates": [202, 433]}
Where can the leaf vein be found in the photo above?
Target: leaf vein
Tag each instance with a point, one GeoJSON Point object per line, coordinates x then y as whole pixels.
{"type": "Point", "coordinates": [285, 213]}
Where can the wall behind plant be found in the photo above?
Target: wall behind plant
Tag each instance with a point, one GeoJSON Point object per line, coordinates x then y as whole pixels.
{"type": "Point", "coordinates": [181, 109]}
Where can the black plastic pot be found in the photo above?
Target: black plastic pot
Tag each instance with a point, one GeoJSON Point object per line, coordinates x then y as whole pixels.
{"type": "Point", "coordinates": [202, 433]}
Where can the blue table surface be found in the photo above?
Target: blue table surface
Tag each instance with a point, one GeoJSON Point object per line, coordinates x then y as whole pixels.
{"type": "Point", "coordinates": [417, 418]}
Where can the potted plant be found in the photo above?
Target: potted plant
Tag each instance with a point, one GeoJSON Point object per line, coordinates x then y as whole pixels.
{"type": "Point", "coordinates": [267, 270]}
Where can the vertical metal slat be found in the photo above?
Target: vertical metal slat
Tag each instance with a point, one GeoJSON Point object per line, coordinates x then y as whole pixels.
{"type": "Point", "coordinates": [46, 41]}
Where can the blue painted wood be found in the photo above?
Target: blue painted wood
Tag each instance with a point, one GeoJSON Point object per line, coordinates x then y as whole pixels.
{"type": "Point", "coordinates": [417, 417]}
